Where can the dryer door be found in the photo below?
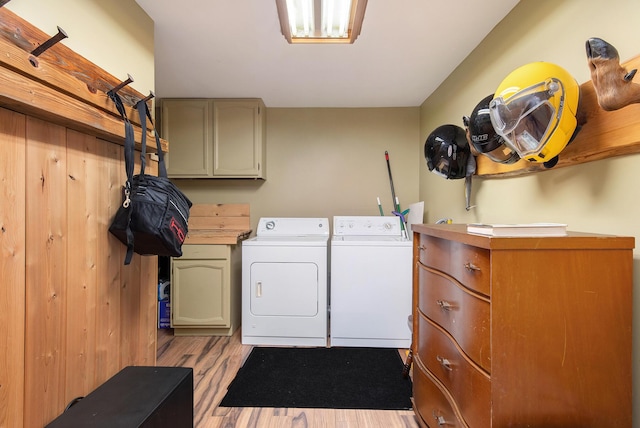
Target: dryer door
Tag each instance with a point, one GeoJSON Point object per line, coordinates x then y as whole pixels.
{"type": "Point", "coordinates": [284, 289]}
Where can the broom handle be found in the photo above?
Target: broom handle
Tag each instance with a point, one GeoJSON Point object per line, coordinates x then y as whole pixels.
{"type": "Point", "coordinates": [393, 192]}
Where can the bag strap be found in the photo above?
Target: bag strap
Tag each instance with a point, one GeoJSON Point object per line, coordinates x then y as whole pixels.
{"type": "Point", "coordinates": [143, 112]}
{"type": "Point", "coordinates": [129, 143]}
{"type": "Point", "coordinates": [129, 151]}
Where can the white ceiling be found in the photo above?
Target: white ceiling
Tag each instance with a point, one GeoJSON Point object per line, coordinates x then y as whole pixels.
{"type": "Point", "coordinates": [234, 49]}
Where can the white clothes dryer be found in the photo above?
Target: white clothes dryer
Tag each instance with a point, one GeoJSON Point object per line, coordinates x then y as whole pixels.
{"type": "Point", "coordinates": [284, 283]}
{"type": "Point", "coordinates": [371, 282]}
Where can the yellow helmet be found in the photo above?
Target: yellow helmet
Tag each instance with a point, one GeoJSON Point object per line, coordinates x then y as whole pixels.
{"type": "Point", "coordinates": [534, 109]}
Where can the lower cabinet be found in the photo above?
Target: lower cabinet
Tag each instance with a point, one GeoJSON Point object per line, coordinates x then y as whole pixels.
{"type": "Point", "coordinates": [206, 290]}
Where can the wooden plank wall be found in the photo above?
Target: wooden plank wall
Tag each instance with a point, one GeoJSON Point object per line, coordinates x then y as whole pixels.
{"type": "Point", "coordinates": [75, 315]}
{"type": "Point", "coordinates": [12, 267]}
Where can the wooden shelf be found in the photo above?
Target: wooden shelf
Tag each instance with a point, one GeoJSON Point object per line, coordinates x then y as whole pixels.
{"type": "Point", "coordinates": [604, 135]}
{"type": "Point", "coordinates": [218, 224]}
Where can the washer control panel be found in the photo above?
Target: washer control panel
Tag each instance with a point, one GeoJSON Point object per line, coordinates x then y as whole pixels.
{"type": "Point", "coordinates": [366, 226]}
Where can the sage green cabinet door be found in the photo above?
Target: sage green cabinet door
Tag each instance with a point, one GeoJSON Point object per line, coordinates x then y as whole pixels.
{"type": "Point", "coordinates": [186, 125]}
{"type": "Point", "coordinates": [200, 293]}
{"type": "Point", "coordinates": [237, 138]}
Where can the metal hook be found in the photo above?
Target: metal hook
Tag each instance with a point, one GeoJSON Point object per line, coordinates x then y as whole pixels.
{"type": "Point", "coordinates": [629, 76]}
{"type": "Point", "coordinates": [47, 44]}
{"type": "Point", "coordinates": [148, 97]}
{"type": "Point", "coordinates": [122, 84]}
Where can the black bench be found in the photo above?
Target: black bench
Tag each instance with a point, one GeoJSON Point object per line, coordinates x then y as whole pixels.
{"type": "Point", "coordinates": [136, 397]}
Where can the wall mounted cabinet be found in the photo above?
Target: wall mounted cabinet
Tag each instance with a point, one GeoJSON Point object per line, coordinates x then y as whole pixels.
{"type": "Point", "coordinates": [215, 138]}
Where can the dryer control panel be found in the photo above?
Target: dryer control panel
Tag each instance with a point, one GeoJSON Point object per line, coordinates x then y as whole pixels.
{"type": "Point", "coordinates": [366, 226]}
{"type": "Point", "coordinates": [292, 226]}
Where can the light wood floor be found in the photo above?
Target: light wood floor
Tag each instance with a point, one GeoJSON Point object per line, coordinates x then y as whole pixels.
{"type": "Point", "coordinates": [215, 361]}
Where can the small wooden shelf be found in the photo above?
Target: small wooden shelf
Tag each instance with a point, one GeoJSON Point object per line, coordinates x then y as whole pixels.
{"type": "Point", "coordinates": [215, 237]}
{"type": "Point", "coordinates": [218, 224]}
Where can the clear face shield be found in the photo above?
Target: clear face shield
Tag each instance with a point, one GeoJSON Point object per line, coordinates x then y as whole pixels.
{"type": "Point", "coordinates": [441, 168]}
{"type": "Point", "coordinates": [445, 162]}
{"type": "Point", "coordinates": [526, 119]}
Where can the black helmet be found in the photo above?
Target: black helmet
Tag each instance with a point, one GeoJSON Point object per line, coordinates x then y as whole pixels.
{"type": "Point", "coordinates": [447, 151]}
{"type": "Point", "coordinates": [485, 139]}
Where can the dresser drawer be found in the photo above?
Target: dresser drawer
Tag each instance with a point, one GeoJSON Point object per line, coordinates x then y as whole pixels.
{"type": "Point", "coordinates": [430, 402]}
{"type": "Point", "coordinates": [469, 265]}
{"type": "Point", "coordinates": [470, 386]}
{"type": "Point", "coordinates": [464, 315]}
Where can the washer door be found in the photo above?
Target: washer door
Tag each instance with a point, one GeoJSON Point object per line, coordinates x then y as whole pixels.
{"type": "Point", "coordinates": [284, 289]}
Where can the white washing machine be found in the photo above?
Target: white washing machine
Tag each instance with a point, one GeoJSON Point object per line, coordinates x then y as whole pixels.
{"type": "Point", "coordinates": [284, 283]}
{"type": "Point", "coordinates": [371, 282]}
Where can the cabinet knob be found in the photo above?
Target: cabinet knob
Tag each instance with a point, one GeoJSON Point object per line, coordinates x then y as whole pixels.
{"type": "Point", "coordinates": [471, 267]}
{"type": "Point", "coordinates": [444, 305]}
{"type": "Point", "coordinates": [446, 364]}
{"type": "Point", "coordinates": [439, 419]}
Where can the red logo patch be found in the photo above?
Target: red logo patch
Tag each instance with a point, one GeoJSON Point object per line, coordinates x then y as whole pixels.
{"type": "Point", "coordinates": [177, 230]}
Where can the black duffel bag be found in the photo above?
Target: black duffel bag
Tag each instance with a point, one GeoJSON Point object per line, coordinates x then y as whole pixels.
{"type": "Point", "coordinates": [154, 215]}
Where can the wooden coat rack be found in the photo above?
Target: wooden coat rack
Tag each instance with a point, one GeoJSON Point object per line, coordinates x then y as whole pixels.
{"type": "Point", "coordinates": [605, 134]}
{"type": "Point", "coordinates": [71, 89]}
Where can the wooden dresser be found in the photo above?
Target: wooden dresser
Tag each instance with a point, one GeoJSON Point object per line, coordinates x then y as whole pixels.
{"type": "Point", "coordinates": [521, 332]}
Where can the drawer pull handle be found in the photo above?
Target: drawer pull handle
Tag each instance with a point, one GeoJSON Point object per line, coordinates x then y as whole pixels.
{"type": "Point", "coordinates": [439, 419]}
{"type": "Point", "coordinates": [444, 305]}
{"type": "Point", "coordinates": [259, 289]}
{"type": "Point", "coordinates": [471, 267]}
{"type": "Point", "coordinates": [446, 364]}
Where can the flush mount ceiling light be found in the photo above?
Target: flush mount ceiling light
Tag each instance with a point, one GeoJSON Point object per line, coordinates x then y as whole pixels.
{"type": "Point", "coordinates": [321, 21]}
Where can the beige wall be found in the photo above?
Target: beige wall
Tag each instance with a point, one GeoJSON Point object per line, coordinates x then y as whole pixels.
{"type": "Point", "coordinates": [116, 35]}
{"type": "Point", "coordinates": [326, 162]}
{"type": "Point", "coordinates": [601, 196]}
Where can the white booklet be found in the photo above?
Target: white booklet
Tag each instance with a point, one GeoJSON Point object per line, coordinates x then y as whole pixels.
{"type": "Point", "coordinates": [518, 229]}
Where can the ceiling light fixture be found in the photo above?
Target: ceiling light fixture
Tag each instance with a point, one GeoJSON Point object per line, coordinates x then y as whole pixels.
{"type": "Point", "coordinates": [321, 21]}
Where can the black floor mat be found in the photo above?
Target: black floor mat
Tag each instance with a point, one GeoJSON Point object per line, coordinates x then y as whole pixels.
{"type": "Point", "coordinates": [338, 378]}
